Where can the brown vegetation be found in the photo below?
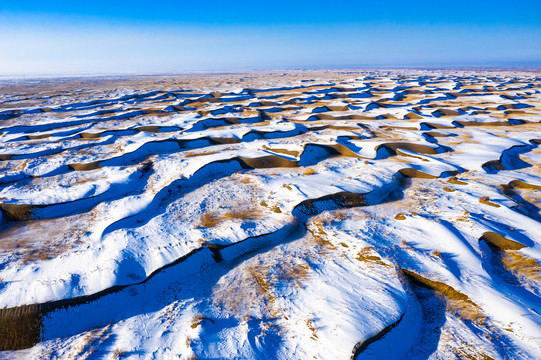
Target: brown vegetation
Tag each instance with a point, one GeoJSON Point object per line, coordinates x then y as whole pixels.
{"type": "Point", "coordinates": [213, 218]}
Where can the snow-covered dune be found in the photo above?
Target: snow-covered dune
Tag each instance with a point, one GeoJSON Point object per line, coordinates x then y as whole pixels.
{"type": "Point", "coordinates": [309, 214]}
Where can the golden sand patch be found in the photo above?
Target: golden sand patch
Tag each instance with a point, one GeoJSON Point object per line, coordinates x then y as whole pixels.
{"type": "Point", "coordinates": [400, 216]}
{"type": "Point", "coordinates": [486, 200]}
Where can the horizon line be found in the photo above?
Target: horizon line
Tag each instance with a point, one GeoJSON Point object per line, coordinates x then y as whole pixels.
{"type": "Point", "coordinates": [535, 66]}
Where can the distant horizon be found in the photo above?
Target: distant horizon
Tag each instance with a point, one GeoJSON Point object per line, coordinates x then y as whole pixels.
{"type": "Point", "coordinates": [178, 37]}
{"type": "Point", "coordinates": [44, 76]}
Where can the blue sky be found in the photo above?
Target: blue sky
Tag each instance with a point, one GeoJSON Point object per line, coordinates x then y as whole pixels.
{"type": "Point", "coordinates": [72, 37]}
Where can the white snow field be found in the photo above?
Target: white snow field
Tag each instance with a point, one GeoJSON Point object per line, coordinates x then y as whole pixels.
{"type": "Point", "coordinates": [272, 215]}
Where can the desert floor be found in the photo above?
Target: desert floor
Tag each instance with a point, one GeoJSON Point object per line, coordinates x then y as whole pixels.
{"type": "Point", "coordinates": [290, 215]}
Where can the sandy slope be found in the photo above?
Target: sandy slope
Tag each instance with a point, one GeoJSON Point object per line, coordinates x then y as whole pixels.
{"type": "Point", "coordinates": [328, 214]}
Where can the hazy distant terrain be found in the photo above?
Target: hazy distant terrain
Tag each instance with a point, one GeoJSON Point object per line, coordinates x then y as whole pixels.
{"type": "Point", "coordinates": [290, 215]}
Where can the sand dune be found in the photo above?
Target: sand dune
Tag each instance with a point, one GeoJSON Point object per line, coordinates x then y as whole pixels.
{"type": "Point", "coordinates": [301, 214]}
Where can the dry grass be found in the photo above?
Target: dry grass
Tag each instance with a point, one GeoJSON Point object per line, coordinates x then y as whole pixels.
{"type": "Point", "coordinates": [81, 180]}
{"type": "Point", "coordinates": [249, 293]}
{"type": "Point", "coordinates": [254, 289]}
{"type": "Point", "coordinates": [213, 218]}
{"type": "Point", "coordinates": [293, 272]}
{"type": "Point", "coordinates": [312, 327]}
{"type": "Point", "coordinates": [522, 266]}
{"type": "Point", "coordinates": [118, 354]}
{"type": "Point", "coordinates": [60, 235]}
{"type": "Point", "coordinates": [244, 179]}
{"type": "Point", "coordinates": [21, 165]}
{"type": "Point", "coordinates": [45, 253]}
{"type": "Point", "coordinates": [319, 235]}
{"type": "Point", "coordinates": [93, 339]}
{"type": "Point", "coordinates": [465, 217]}
{"type": "Point", "coordinates": [464, 310]}
{"type": "Point", "coordinates": [248, 207]}
{"type": "Point", "coordinates": [339, 215]}
{"type": "Point", "coordinates": [457, 303]}
{"type": "Point", "coordinates": [196, 321]}
{"type": "Point", "coordinates": [261, 283]}
{"type": "Point", "coordinates": [472, 354]}
{"type": "Point", "coordinates": [146, 166]}
{"type": "Point", "coordinates": [369, 256]}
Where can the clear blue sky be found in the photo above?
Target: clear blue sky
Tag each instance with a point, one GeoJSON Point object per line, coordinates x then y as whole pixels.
{"type": "Point", "coordinates": [48, 37]}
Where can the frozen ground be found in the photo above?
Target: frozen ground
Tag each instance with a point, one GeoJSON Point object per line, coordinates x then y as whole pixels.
{"type": "Point", "coordinates": [297, 215]}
